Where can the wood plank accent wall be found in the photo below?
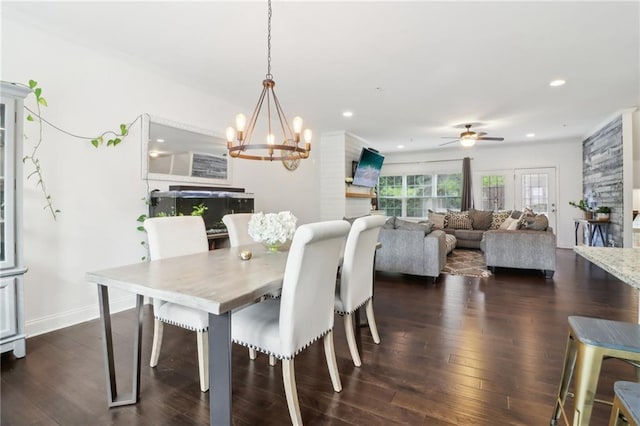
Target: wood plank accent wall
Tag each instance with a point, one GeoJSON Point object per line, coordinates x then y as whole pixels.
{"type": "Point", "coordinates": [602, 175]}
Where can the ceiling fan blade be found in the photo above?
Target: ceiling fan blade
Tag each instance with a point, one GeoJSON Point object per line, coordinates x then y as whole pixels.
{"type": "Point", "coordinates": [490, 139]}
{"type": "Point", "coordinates": [447, 143]}
{"type": "Point", "coordinates": [450, 137]}
{"type": "Point", "coordinates": [481, 134]}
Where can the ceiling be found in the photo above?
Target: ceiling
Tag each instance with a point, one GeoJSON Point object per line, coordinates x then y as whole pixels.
{"type": "Point", "coordinates": [411, 72]}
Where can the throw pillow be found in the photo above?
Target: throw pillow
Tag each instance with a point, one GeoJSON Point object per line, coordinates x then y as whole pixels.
{"type": "Point", "coordinates": [498, 218]}
{"type": "Point", "coordinates": [438, 219]}
{"type": "Point", "coordinates": [353, 219]}
{"type": "Point", "coordinates": [427, 224]}
{"type": "Point", "coordinates": [390, 223]}
{"type": "Point", "coordinates": [539, 222]}
{"type": "Point", "coordinates": [510, 224]}
{"type": "Point", "coordinates": [480, 219]}
{"type": "Point", "coordinates": [459, 220]}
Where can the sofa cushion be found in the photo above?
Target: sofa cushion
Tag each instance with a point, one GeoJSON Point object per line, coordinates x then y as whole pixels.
{"type": "Point", "coordinates": [480, 219]}
{"type": "Point", "coordinates": [413, 226]}
{"type": "Point", "coordinates": [450, 241]}
{"type": "Point", "coordinates": [438, 219]}
{"type": "Point", "coordinates": [538, 222]}
{"type": "Point", "coordinates": [459, 220]}
{"type": "Point", "coordinates": [498, 217]}
{"type": "Point", "coordinates": [469, 234]}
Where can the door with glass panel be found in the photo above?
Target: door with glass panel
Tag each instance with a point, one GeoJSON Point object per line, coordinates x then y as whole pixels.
{"type": "Point", "coordinates": [517, 189]}
{"type": "Point", "coordinates": [7, 236]}
{"type": "Point", "coordinates": [536, 189]}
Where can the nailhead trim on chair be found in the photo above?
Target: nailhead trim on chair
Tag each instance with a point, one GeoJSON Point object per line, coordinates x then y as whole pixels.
{"type": "Point", "coordinates": [171, 322]}
{"type": "Point", "coordinates": [357, 307]}
{"type": "Point", "coordinates": [280, 356]}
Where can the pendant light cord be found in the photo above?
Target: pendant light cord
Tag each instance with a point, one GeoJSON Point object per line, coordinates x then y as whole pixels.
{"type": "Point", "coordinates": [269, 76]}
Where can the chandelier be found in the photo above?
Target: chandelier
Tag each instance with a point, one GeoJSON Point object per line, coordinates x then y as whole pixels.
{"type": "Point", "coordinates": [288, 146]}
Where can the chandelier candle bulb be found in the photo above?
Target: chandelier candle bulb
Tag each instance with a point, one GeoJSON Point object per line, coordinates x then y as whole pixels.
{"type": "Point", "coordinates": [241, 122]}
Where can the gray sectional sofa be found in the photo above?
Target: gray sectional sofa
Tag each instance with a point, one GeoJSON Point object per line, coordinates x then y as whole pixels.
{"type": "Point", "coordinates": [524, 249]}
{"type": "Point", "coordinates": [421, 248]}
{"type": "Point", "coordinates": [412, 249]}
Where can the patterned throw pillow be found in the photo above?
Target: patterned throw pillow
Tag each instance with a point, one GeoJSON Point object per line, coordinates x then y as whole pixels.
{"type": "Point", "coordinates": [498, 218]}
{"type": "Point", "coordinates": [459, 220]}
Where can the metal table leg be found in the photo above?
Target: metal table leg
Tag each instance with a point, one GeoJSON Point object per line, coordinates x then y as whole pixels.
{"type": "Point", "coordinates": [113, 399]}
{"type": "Point", "coordinates": [220, 369]}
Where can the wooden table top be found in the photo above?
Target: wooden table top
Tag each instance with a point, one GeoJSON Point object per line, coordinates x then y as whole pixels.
{"type": "Point", "coordinates": [216, 281]}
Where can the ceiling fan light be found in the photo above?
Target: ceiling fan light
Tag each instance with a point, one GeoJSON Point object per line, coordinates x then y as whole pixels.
{"type": "Point", "coordinates": [467, 142]}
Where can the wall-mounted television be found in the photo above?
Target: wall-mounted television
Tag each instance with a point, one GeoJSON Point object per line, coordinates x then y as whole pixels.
{"type": "Point", "coordinates": [368, 169]}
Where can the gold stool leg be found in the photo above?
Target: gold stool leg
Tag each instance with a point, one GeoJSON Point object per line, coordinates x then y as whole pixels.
{"type": "Point", "coordinates": [567, 373]}
{"type": "Point", "coordinates": [614, 420]}
{"type": "Point", "coordinates": [588, 365]}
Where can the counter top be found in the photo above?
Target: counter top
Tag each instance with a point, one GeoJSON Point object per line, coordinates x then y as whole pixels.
{"type": "Point", "coordinates": [623, 263]}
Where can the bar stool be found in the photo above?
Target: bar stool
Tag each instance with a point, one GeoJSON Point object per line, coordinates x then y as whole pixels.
{"type": "Point", "coordinates": [590, 341]}
{"type": "Point", "coordinates": [626, 403]}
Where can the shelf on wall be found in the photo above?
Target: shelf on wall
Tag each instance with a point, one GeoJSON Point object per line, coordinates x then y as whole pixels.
{"type": "Point", "coordinates": [358, 195]}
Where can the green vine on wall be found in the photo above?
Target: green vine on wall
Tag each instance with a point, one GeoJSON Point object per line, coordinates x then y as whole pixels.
{"type": "Point", "coordinates": [113, 138]}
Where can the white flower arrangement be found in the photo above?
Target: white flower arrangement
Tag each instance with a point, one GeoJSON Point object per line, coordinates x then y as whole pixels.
{"type": "Point", "coordinates": [272, 228]}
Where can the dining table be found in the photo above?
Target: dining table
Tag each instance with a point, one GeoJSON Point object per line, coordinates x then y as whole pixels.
{"type": "Point", "coordinates": [623, 263]}
{"type": "Point", "coordinates": [215, 282]}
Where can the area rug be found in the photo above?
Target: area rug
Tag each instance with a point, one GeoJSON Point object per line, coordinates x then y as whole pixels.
{"type": "Point", "coordinates": [466, 262]}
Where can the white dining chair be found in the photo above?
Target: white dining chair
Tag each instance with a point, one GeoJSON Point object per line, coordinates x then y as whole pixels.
{"type": "Point", "coordinates": [355, 284]}
{"type": "Point", "coordinates": [173, 236]}
{"type": "Point", "coordinates": [238, 228]}
{"type": "Point", "coordinates": [284, 327]}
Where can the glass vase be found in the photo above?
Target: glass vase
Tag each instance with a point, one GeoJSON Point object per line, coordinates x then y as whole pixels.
{"type": "Point", "coordinates": [272, 247]}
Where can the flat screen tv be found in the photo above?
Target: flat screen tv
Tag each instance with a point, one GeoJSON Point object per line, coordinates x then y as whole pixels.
{"type": "Point", "coordinates": [368, 169]}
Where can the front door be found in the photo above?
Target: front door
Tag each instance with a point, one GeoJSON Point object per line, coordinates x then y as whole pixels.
{"type": "Point", "coordinates": [536, 189]}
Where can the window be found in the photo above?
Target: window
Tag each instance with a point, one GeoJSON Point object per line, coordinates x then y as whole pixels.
{"type": "Point", "coordinates": [535, 192]}
{"type": "Point", "coordinates": [493, 192]}
{"type": "Point", "coordinates": [414, 195]}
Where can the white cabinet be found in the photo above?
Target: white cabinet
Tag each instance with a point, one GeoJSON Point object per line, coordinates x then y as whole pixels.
{"type": "Point", "coordinates": [12, 269]}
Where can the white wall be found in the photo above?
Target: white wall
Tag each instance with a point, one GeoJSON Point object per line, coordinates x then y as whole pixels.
{"type": "Point", "coordinates": [100, 191]}
{"type": "Point", "coordinates": [565, 156]}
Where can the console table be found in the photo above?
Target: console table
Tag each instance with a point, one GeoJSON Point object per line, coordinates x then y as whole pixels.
{"type": "Point", "coordinates": [594, 227]}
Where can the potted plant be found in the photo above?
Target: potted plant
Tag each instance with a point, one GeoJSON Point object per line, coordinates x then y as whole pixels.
{"type": "Point", "coordinates": [584, 206]}
{"type": "Point", "coordinates": [603, 213]}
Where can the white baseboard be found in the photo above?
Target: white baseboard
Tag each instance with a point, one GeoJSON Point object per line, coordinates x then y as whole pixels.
{"type": "Point", "coordinates": [75, 316]}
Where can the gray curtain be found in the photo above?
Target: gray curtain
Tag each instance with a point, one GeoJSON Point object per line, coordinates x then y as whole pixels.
{"type": "Point", "coordinates": [467, 192]}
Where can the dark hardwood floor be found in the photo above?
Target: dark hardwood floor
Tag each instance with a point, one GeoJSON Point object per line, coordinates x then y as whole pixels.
{"type": "Point", "coordinates": [462, 351]}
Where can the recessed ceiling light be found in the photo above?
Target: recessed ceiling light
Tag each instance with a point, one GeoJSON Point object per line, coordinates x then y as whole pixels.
{"type": "Point", "coordinates": [160, 140]}
{"type": "Point", "coordinates": [530, 135]}
{"type": "Point", "coordinates": [347, 114]}
{"type": "Point", "coordinates": [557, 83]}
{"type": "Point", "coordinates": [400, 146]}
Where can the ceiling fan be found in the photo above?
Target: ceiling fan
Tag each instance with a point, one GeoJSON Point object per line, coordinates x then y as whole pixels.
{"type": "Point", "coordinates": [469, 138]}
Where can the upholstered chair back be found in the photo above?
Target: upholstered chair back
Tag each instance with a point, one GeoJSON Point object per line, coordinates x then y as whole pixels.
{"type": "Point", "coordinates": [173, 236]}
{"type": "Point", "coordinates": [238, 227]}
{"type": "Point", "coordinates": [356, 277]}
{"type": "Point", "coordinates": [308, 289]}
